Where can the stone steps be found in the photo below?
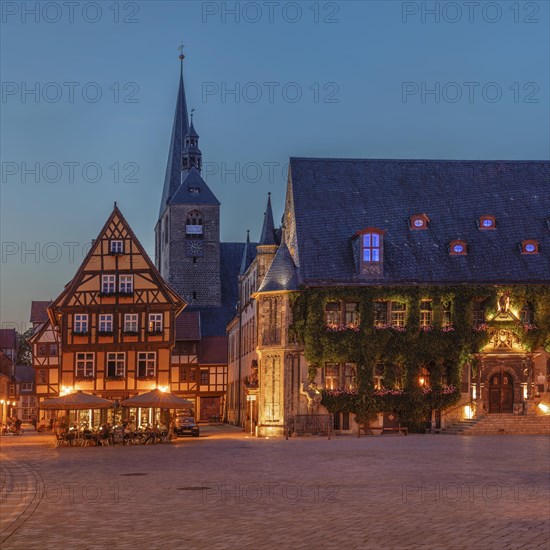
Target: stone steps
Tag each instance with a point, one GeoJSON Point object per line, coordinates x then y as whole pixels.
{"type": "Point", "coordinates": [501, 424]}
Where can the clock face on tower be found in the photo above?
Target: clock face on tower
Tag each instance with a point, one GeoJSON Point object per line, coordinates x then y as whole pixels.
{"type": "Point", "coordinates": [194, 248]}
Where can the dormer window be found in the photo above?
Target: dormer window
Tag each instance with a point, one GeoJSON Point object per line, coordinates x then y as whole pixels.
{"type": "Point", "coordinates": [368, 246]}
{"type": "Point", "coordinates": [487, 222]}
{"type": "Point", "coordinates": [458, 248]}
{"type": "Point", "coordinates": [116, 247]}
{"type": "Point", "coordinates": [371, 247]}
{"type": "Point", "coordinates": [419, 221]}
{"type": "Point", "coordinates": [530, 247]}
{"type": "Point", "coordinates": [194, 190]}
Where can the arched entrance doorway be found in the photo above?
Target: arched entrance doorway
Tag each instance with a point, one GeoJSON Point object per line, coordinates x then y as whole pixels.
{"type": "Point", "coordinates": [501, 392]}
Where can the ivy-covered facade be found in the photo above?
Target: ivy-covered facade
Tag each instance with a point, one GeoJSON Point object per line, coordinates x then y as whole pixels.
{"type": "Point", "coordinates": [406, 293]}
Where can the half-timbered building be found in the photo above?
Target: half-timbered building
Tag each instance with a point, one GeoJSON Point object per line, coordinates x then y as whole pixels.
{"type": "Point", "coordinates": [113, 324]}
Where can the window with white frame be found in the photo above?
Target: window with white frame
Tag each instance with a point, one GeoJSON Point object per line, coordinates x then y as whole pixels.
{"type": "Point", "coordinates": [84, 367]}
{"type": "Point", "coordinates": [155, 322]}
{"type": "Point", "coordinates": [131, 322]}
{"type": "Point", "coordinates": [398, 314]}
{"type": "Point", "coordinates": [116, 364]}
{"type": "Point", "coordinates": [117, 247]}
{"type": "Point", "coordinates": [126, 284]}
{"type": "Point", "coordinates": [146, 364]}
{"type": "Point", "coordinates": [425, 313]}
{"type": "Point", "coordinates": [332, 375]}
{"type": "Point", "coordinates": [350, 376]}
{"type": "Point", "coordinates": [80, 323]}
{"type": "Point", "coordinates": [108, 284]}
{"type": "Point", "coordinates": [106, 322]}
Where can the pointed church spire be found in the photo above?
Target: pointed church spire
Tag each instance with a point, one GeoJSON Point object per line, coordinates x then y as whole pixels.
{"type": "Point", "coordinates": [268, 229]}
{"type": "Point", "coordinates": [180, 128]}
{"type": "Point", "coordinates": [248, 254]}
{"type": "Point", "coordinates": [191, 155]}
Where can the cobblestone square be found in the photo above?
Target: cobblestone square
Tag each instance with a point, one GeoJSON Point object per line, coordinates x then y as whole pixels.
{"type": "Point", "coordinates": [227, 490]}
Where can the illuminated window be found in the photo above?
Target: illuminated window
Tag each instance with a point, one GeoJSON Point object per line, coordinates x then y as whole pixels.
{"type": "Point", "coordinates": [351, 312]}
{"type": "Point", "coordinates": [371, 247]}
{"type": "Point", "coordinates": [425, 313]}
{"type": "Point", "coordinates": [146, 364]}
{"type": "Point", "coordinates": [350, 376]}
{"type": "Point", "coordinates": [457, 248]}
{"type": "Point", "coordinates": [205, 377]}
{"type": "Point", "coordinates": [419, 221]}
{"type": "Point", "coordinates": [530, 247]}
{"type": "Point", "coordinates": [398, 314]}
{"type": "Point", "coordinates": [487, 222]}
{"type": "Point", "coordinates": [332, 313]}
{"type": "Point", "coordinates": [332, 371]}
{"type": "Point", "coordinates": [447, 314]}
{"type": "Point", "coordinates": [84, 365]}
{"type": "Point", "coordinates": [155, 322]}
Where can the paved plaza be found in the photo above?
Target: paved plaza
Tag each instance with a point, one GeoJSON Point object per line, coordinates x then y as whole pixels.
{"type": "Point", "coordinates": [227, 490]}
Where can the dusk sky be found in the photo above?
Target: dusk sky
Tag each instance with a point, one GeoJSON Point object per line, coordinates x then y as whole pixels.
{"type": "Point", "coordinates": [320, 79]}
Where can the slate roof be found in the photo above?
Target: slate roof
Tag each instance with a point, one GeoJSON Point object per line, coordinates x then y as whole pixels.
{"type": "Point", "coordinates": [8, 338]}
{"type": "Point", "coordinates": [189, 180]}
{"type": "Point", "coordinates": [282, 273]}
{"type": "Point", "coordinates": [188, 326]}
{"type": "Point", "coordinates": [24, 373]}
{"type": "Point", "coordinates": [249, 254]}
{"type": "Point", "coordinates": [268, 229]}
{"type": "Point", "coordinates": [213, 350]}
{"type": "Point", "coordinates": [39, 311]}
{"type": "Point", "coordinates": [172, 178]}
{"type": "Point", "coordinates": [335, 198]}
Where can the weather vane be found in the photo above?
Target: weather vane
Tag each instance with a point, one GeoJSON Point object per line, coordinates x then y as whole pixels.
{"type": "Point", "coordinates": [180, 49]}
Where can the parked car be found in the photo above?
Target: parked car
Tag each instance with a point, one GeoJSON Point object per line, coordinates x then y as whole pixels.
{"type": "Point", "coordinates": [186, 425]}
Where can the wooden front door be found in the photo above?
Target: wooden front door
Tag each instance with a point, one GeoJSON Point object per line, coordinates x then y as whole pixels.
{"type": "Point", "coordinates": [501, 393]}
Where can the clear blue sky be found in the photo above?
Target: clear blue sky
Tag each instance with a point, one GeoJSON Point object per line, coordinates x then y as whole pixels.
{"type": "Point", "coordinates": [349, 61]}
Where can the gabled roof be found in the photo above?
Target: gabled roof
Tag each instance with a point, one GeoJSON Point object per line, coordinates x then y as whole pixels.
{"type": "Point", "coordinates": [335, 198]}
{"type": "Point", "coordinates": [268, 229]}
{"type": "Point", "coordinates": [180, 128]}
{"type": "Point", "coordinates": [188, 326]}
{"type": "Point", "coordinates": [171, 295]}
{"type": "Point", "coordinates": [282, 273]}
{"type": "Point", "coordinates": [8, 338]}
{"type": "Point", "coordinates": [193, 179]}
{"type": "Point", "coordinates": [39, 311]}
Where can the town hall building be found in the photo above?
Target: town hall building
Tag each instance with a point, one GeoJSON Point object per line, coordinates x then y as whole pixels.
{"type": "Point", "coordinates": [401, 292]}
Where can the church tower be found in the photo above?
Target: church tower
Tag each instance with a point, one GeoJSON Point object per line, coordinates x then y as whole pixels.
{"type": "Point", "coordinates": [187, 233]}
